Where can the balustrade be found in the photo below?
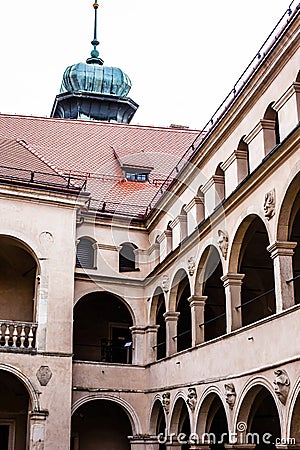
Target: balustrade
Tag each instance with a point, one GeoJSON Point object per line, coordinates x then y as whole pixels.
{"type": "Point", "coordinates": [17, 334]}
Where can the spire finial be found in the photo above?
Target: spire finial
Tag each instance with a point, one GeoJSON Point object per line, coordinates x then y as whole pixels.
{"type": "Point", "coordinates": [94, 53]}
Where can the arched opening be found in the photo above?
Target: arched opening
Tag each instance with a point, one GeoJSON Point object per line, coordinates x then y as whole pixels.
{"type": "Point", "coordinates": [18, 283]}
{"type": "Point", "coordinates": [101, 329]}
{"type": "Point", "coordinates": [17, 280]}
{"type": "Point", "coordinates": [212, 422]}
{"type": "Point", "coordinates": [215, 304]}
{"type": "Point", "coordinates": [201, 205]}
{"type": "Point", "coordinates": [127, 257]}
{"type": "Point", "coordinates": [273, 138]}
{"type": "Point", "coordinates": [295, 423]}
{"type": "Point", "coordinates": [100, 424]}
{"type": "Point", "coordinates": [161, 332]}
{"type": "Point", "coordinates": [294, 236]}
{"type": "Point", "coordinates": [219, 184]}
{"type": "Point", "coordinates": [260, 413]}
{"type": "Point", "coordinates": [257, 293]}
{"type": "Point", "coordinates": [183, 224]}
{"type": "Point", "coordinates": [15, 405]}
{"type": "Point", "coordinates": [158, 424]}
{"type": "Point", "coordinates": [85, 254]}
{"type": "Point", "coordinates": [184, 325]}
{"type": "Point", "coordinates": [180, 424]}
{"type": "Point", "coordinates": [243, 161]}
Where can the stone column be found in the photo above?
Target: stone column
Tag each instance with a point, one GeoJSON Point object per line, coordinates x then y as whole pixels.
{"type": "Point", "coordinates": [151, 339]}
{"type": "Point", "coordinates": [232, 283]}
{"type": "Point", "coordinates": [197, 304]}
{"type": "Point", "coordinates": [171, 318]}
{"type": "Point", "coordinates": [282, 255]}
{"type": "Point", "coordinates": [37, 429]}
{"type": "Point", "coordinates": [138, 345]}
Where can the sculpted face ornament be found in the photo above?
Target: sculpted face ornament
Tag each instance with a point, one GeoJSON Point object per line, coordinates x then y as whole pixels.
{"type": "Point", "coordinates": [223, 242]}
{"type": "Point", "coordinates": [166, 401]}
{"type": "Point", "coordinates": [269, 204]}
{"type": "Point", "coordinates": [230, 394]}
{"type": "Point", "coordinates": [166, 283]}
{"type": "Point", "coordinates": [282, 385]}
{"type": "Point", "coordinates": [191, 265]}
{"type": "Point", "coordinates": [191, 398]}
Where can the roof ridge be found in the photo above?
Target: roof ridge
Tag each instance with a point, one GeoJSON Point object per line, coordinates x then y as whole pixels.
{"type": "Point", "coordinates": [109, 124]}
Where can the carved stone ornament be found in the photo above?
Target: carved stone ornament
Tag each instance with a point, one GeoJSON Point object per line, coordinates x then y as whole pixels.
{"type": "Point", "coordinates": [230, 394]}
{"type": "Point", "coordinates": [269, 204]}
{"type": "Point", "coordinates": [191, 400]}
{"type": "Point", "coordinates": [191, 265]}
{"type": "Point", "coordinates": [44, 375]}
{"type": "Point", "coordinates": [282, 385]}
{"type": "Point", "coordinates": [223, 242]}
{"type": "Point", "coordinates": [166, 401]}
{"type": "Point", "coordinates": [166, 283]}
{"type": "Point", "coordinates": [46, 239]}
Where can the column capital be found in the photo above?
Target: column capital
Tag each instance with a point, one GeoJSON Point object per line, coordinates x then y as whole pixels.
{"type": "Point", "coordinates": [137, 329]}
{"type": "Point", "coordinates": [152, 328]}
{"type": "Point", "coordinates": [39, 415]}
{"type": "Point", "coordinates": [171, 316]}
{"type": "Point", "coordinates": [281, 248]}
{"type": "Point", "coordinates": [232, 279]}
{"type": "Point", "coordinates": [197, 300]}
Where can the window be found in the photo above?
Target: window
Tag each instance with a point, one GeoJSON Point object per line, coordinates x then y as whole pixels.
{"type": "Point", "coordinates": [136, 176]}
{"type": "Point", "coordinates": [127, 258]}
{"type": "Point", "coordinates": [85, 257]}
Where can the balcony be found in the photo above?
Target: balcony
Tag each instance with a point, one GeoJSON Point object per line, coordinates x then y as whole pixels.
{"type": "Point", "coordinates": [17, 335]}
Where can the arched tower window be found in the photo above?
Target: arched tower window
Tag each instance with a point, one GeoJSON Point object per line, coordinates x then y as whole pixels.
{"type": "Point", "coordinates": [85, 257]}
{"type": "Point", "coordinates": [127, 257]}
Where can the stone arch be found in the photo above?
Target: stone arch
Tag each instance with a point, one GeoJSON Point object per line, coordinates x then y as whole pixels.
{"type": "Point", "coordinates": [157, 414]}
{"type": "Point", "coordinates": [96, 289]}
{"type": "Point", "coordinates": [32, 391]}
{"type": "Point", "coordinates": [180, 421]}
{"type": "Point", "coordinates": [246, 400]}
{"type": "Point", "coordinates": [210, 404]}
{"type": "Point", "coordinates": [156, 317]}
{"type": "Point", "coordinates": [102, 328]}
{"type": "Point", "coordinates": [180, 274]}
{"type": "Point", "coordinates": [200, 274]}
{"type": "Point", "coordinates": [179, 295]}
{"type": "Point", "coordinates": [293, 418]}
{"type": "Point", "coordinates": [129, 410]}
{"type": "Point", "coordinates": [284, 216]}
{"type": "Point", "coordinates": [154, 303]}
{"type": "Point", "coordinates": [272, 135]}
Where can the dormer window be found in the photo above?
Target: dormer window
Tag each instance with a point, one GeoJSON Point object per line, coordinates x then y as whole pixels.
{"type": "Point", "coordinates": [133, 176]}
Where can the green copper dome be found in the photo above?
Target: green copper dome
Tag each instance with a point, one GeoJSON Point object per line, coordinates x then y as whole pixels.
{"type": "Point", "coordinates": [95, 78]}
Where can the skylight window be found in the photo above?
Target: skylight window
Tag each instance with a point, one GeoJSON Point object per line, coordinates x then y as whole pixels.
{"type": "Point", "coordinates": [133, 176]}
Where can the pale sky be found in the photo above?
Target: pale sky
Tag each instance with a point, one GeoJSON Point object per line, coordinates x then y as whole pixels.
{"type": "Point", "coordinates": [182, 57]}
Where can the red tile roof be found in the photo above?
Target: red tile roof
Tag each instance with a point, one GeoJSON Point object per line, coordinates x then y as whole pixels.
{"type": "Point", "coordinates": [90, 148]}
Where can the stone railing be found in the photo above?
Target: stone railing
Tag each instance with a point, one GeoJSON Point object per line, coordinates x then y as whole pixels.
{"type": "Point", "coordinates": [19, 335]}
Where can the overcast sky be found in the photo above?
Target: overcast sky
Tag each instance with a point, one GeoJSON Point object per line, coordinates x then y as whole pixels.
{"type": "Point", "coordinates": [182, 56]}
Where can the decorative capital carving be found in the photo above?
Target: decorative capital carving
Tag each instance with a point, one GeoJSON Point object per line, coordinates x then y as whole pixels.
{"type": "Point", "coordinates": [230, 394]}
{"type": "Point", "coordinates": [166, 401]}
{"type": "Point", "coordinates": [166, 283]}
{"type": "Point", "coordinates": [191, 400]}
{"type": "Point", "coordinates": [44, 375]}
{"type": "Point", "coordinates": [223, 242]}
{"type": "Point", "coordinates": [282, 385]}
{"type": "Point", "coordinates": [269, 204]}
{"type": "Point", "coordinates": [191, 265]}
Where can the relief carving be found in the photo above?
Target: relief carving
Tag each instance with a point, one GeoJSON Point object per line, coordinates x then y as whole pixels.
{"type": "Point", "coordinates": [46, 239]}
{"type": "Point", "coordinates": [166, 283]}
{"type": "Point", "coordinates": [166, 401]}
{"type": "Point", "coordinates": [191, 265]}
{"type": "Point", "coordinates": [191, 398]}
{"type": "Point", "coordinates": [223, 242]}
{"type": "Point", "coordinates": [44, 375]}
{"type": "Point", "coordinates": [230, 394]}
{"type": "Point", "coordinates": [282, 384]}
{"type": "Point", "coordinates": [269, 204]}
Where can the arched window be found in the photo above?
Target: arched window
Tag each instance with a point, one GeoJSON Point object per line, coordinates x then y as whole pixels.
{"type": "Point", "coordinates": [274, 139]}
{"type": "Point", "coordinates": [85, 257]}
{"type": "Point", "coordinates": [127, 258]}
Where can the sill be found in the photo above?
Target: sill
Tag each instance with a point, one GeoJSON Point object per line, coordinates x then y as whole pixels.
{"type": "Point", "coordinates": [129, 270]}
